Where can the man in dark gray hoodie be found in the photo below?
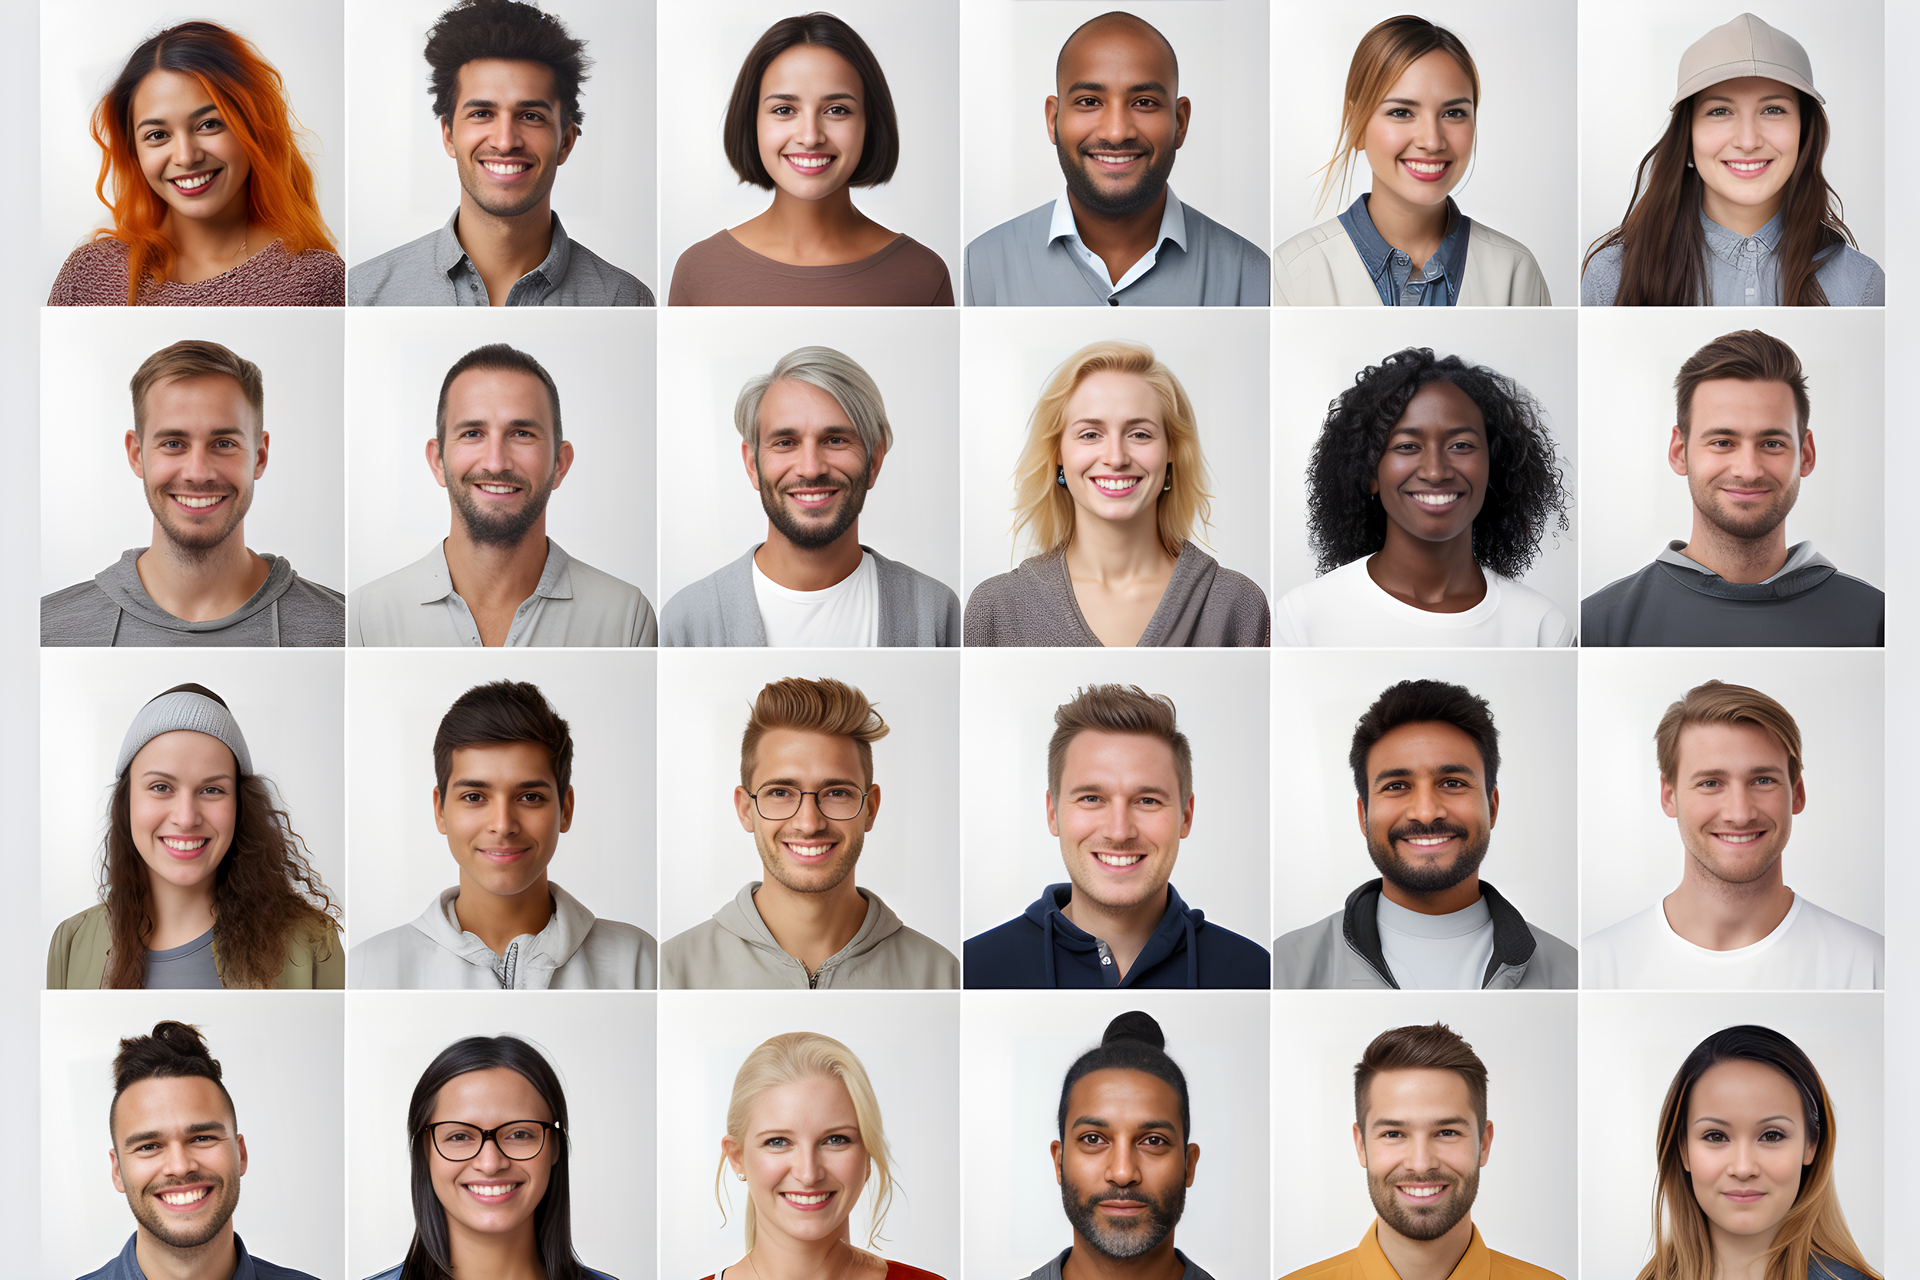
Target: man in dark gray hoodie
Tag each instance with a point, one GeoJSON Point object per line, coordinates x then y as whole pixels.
{"type": "Point", "coordinates": [198, 443]}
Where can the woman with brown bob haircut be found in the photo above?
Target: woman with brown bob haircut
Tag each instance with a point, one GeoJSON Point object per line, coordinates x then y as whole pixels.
{"type": "Point", "coordinates": [212, 197]}
{"type": "Point", "coordinates": [811, 118]}
{"type": "Point", "coordinates": [205, 884]}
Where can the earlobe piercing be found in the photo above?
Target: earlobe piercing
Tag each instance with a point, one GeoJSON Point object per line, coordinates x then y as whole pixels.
{"type": "Point", "coordinates": [1169, 484]}
{"type": "Point", "coordinates": [1060, 476]}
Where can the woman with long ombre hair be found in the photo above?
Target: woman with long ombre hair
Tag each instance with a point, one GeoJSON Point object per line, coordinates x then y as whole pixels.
{"type": "Point", "coordinates": [212, 197]}
{"type": "Point", "coordinates": [1730, 208]}
{"type": "Point", "coordinates": [1745, 1150]}
{"type": "Point", "coordinates": [205, 883]}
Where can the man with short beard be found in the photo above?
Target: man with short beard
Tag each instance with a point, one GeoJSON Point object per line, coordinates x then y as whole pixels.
{"type": "Point", "coordinates": [1425, 760]}
{"type": "Point", "coordinates": [1118, 236]}
{"type": "Point", "coordinates": [1743, 443]}
{"type": "Point", "coordinates": [1422, 1134]}
{"type": "Point", "coordinates": [497, 579]}
{"type": "Point", "coordinates": [178, 1157]}
{"type": "Point", "coordinates": [813, 436]}
{"type": "Point", "coordinates": [198, 444]}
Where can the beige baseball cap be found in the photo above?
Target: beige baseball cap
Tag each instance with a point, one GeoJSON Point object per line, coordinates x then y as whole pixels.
{"type": "Point", "coordinates": [1744, 47]}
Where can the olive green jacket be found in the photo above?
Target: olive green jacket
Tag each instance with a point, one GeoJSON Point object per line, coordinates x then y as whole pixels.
{"type": "Point", "coordinates": [77, 957]}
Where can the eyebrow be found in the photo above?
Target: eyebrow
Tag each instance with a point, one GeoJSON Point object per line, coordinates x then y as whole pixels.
{"type": "Point", "coordinates": [1125, 422]}
{"type": "Point", "coordinates": [191, 116]}
{"type": "Point", "coordinates": [148, 1135]}
{"type": "Point", "coordinates": [1415, 102]}
{"type": "Point", "coordinates": [173, 433]}
{"type": "Point", "coordinates": [1097, 1122]}
{"type": "Point", "coordinates": [1453, 430]}
{"type": "Point", "coordinates": [1784, 432]}
{"type": "Point", "coordinates": [475, 784]}
{"type": "Point", "coordinates": [1145, 86]}
{"type": "Point", "coordinates": [524, 102]}
{"type": "Point", "coordinates": [825, 97]}
{"type": "Point", "coordinates": [795, 782]}
{"type": "Point", "coordinates": [511, 422]}
{"type": "Point", "coordinates": [1094, 788]}
{"type": "Point", "coordinates": [1767, 1120]}
{"type": "Point", "coordinates": [168, 777]}
{"type": "Point", "coordinates": [1445, 770]}
{"type": "Point", "coordinates": [1455, 1121]}
{"type": "Point", "coordinates": [1769, 97]}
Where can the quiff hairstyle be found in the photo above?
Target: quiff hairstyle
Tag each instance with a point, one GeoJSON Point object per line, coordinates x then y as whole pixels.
{"type": "Point", "coordinates": [880, 151]}
{"type": "Point", "coordinates": [1118, 708]}
{"type": "Point", "coordinates": [1433, 1048]}
{"type": "Point", "coordinates": [1379, 60]}
{"type": "Point", "coordinates": [196, 358]}
{"type": "Point", "coordinates": [476, 29]}
{"type": "Point", "coordinates": [174, 1051]}
{"type": "Point", "coordinates": [837, 374]}
{"type": "Point", "coordinates": [503, 711]}
{"type": "Point", "coordinates": [497, 357]}
{"type": "Point", "coordinates": [1747, 355]}
{"type": "Point", "coordinates": [1717, 703]}
{"type": "Point", "coordinates": [812, 706]}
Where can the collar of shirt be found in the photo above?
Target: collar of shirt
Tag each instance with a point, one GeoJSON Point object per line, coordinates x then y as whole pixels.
{"type": "Point", "coordinates": [556, 578]}
{"type": "Point", "coordinates": [1377, 255]}
{"type": "Point", "coordinates": [1173, 226]}
{"type": "Point", "coordinates": [1733, 248]}
{"type": "Point", "coordinates": [1475, 1264]}
{"type": "Point", "coordinates": [449, 256]}
{"type": "Point", "coordinates": [129, 1261]}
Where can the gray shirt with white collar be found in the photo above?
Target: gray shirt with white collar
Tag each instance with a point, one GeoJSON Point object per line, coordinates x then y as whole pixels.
{"type": "Point", "coordinates": [435, 271]}
{"type": "Point", "coordinates": [574, 605]}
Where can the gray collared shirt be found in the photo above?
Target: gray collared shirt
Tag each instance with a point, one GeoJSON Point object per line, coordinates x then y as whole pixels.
{"type": "Point", "coordinates": [248, 1267]}
{"type": "Point", "coordinates": [1055, 1269]}
{"type": "Point", "coordinates": [574, 605]}
{"type": "Point", "coordinates": [1438, 284]}
{"type": "Point", "coordinates": [1744, 271]}
{"type": "Point", "coordinates": [435, 271]}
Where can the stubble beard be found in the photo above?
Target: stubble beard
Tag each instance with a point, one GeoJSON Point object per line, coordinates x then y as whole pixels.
{"type": "Point", "coordinates": [1144, 191]}
{"type": "Point", "coordinates": [1087, 882]}
{"type": "Point", "coordinates": [225, 1196]}
{"type": "Point", "coordinates": [507, 530]}
{"type": "Point", "coordinates": [825, 878]}
{"type": "Point", "coordinates": [1752, 526]}
{"type": "Point", "coordinates": [1728, 874]}
{"type": "Point", "coordinates": [1426, 1223]}
{"type": "Point", "coordinates": [811, 536]}
{"type": "Point", "coordinates": [527, 203]}
{"type": "Point", "coordinates": [1142, 1235]}
{"type": "Point", "coordinates": [198, 545]}
{"type": "Point", "coordinates": [1421, 881]}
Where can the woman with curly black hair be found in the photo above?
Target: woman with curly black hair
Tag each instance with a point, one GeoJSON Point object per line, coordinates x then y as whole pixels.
{"type": "Point", "coordinates": [1429, 489]}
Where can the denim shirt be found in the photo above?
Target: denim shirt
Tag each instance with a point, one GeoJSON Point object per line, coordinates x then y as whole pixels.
{"type": "Point", "coordinates": [247, 1267]}
{"type": "Point", "coordinates": [1392, 269]}
{"type": "Point", "coordinates": [1742, 271]}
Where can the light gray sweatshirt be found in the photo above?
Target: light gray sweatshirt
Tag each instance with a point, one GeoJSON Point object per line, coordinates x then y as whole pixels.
{"type": "Point", "coordinates": [735, 950]}
{"type": "Point", "coordinates": [720, 610]}
{"type": "Point", "coordinates": [115, 609]}
{"type": "Point", "coordinates": [575, 952]}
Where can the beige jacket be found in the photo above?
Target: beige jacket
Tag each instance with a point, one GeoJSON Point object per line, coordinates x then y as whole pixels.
{"type": "Point", "coordinates": [1321, 268]}
{"type": "Point", "coordinates": [77, 957]}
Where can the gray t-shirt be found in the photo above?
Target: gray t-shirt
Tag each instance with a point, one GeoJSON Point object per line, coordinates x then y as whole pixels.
{"type": "Point", "coordinates": [1436, 953]}
{"type": "Point", "coordinates": [187, 967]}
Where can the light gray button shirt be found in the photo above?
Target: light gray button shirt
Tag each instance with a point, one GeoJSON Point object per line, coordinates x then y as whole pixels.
{"type": "Point", "coordinates": [434, 271]}
{"type": "Point", "coordinates": [574, 605]}
{"type": "Point", "coordinates": [1744, 271]}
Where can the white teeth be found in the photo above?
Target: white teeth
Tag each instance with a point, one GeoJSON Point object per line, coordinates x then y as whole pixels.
{"type": "Point", "coordinates": [1425, 166]}
{"type": "Point", "coordinates": [1426, 842]}
{"type": "Point", "coordinates": [1117, 161]}
{"type": "Point", "coordinates": [496, 488]}
{"type": "Point", "coordinates": [1422, 1193]}
{"type": "Point", "coordinates": [1117, 484]}
{"type": "Point", "coordinates": [194, 183]}
{"type": "Point", "coordinates": [1748, 166]}
{"type": "Point", "coordinates": [1436, 499]}
{"type": "Point", "coordinates": [182, 843]}
{"type": "Point", "coordinates": [808, 162]}
{"type": "Point", "coordinates": [1739, 837]}
{"type": "Point", "coordinates": [505, 168]}
{"type": "Point", "coordinates": [1120, 859]}
{"type": "Point", "coordinates": [197, 504]}
{"type": "Point", "coordinates": [184, 1197]}
{"type": "Point", "coordinates": [808, 850]}
{"type": "Point", "coordinates": [811, 1198]}
{"type": "Point", "coordinates": [489, 1188]}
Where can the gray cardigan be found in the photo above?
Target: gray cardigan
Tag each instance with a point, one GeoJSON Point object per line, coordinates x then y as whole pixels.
{"type": "Point", "coordinates": [1205, 606]}
{"type": "Point", "coordinates": [720, 611]}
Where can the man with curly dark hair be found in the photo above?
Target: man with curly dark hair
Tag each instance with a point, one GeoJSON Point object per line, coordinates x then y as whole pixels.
{"type": "Point", "coordinates": [505, 85]}
{"type": "Point", "coordinates": [1429, 490]}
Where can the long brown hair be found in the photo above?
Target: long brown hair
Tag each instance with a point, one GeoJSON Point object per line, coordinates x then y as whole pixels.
{"type": "Point", "coordinates": [1663, 259]}
{"type": "Point", "coordinates": [1814, 1228]}
{"type": "Point", "coordinates": [1379, 60]}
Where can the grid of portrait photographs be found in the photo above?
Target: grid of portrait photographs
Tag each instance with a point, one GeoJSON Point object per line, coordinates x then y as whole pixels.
{"type": "Point", "coordinates": [1073, 564]}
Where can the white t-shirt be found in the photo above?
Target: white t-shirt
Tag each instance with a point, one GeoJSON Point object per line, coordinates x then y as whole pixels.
{"type": "Point", "coordinates": [1810, 950]}
{"type": "Point", "coordinates": [844, 616]}
{"type": "Point", "coordinates": [1346, 608]}
{"type": "Point", "coordinates": [1436, 953]}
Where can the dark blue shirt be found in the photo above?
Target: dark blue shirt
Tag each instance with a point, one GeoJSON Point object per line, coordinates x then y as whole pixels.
{"type": "Point", "coordinates": [1042, 948]}
{"type": "Point", "coordinates": [127, 1266]}
{"type": "Point", "coordinates": [1392, 270]}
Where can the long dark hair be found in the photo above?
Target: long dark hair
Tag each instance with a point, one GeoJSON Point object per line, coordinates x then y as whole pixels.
{"type": "Point", "coordinates": [264, 890]}
{"type": "Point", "coordinates": [429, 1257]}
{"type": "Point", "coordinates": [1663, 258]}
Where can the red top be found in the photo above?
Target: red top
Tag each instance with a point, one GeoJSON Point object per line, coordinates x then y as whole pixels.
{"type": "Point", "coordinates": [95, 275]}
{"type": "Point", "coordinates": [896, 1271]}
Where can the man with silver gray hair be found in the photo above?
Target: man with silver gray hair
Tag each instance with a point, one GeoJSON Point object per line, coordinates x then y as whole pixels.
{"type": "Point", "coordinates": [813, 435]}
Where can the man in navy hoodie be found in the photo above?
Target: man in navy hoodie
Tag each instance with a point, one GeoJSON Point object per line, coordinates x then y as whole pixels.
{"type": "Point", "coordinates": [1120, 798]}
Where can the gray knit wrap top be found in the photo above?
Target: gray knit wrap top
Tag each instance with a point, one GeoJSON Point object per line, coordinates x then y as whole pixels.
{"type": "Point", "coordinates": [1205, 606]}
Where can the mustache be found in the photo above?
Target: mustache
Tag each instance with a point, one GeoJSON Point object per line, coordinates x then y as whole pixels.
{"type": "Point", "coordinates": [1133, 1194]}
{"type": "Point", "coordinates": [480, 475]}
{"type": "Point", "coordinates": [1411, 830]}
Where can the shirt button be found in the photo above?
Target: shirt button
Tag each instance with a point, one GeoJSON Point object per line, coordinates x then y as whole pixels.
{"type": "Point", "coordinates": [1113, 301]}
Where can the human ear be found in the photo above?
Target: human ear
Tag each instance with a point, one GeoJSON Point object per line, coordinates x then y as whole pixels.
{"type": "Point", "coordinates": [1053, 114]}
{"type": "Point", "coordinates": [133, 455]}
{"type": "Point", "coordinates": [1668, 805]}
{"type": "Point", "coordinates": [1677, 452]}
{"type": "Point", "coordinates": [113, 1157]}
{"type": "Point", "coordinates": [1056, 1148]}
{"type": "Point", "coordinates": [743, 806]}
{"type": "Point", "coordinates": [1806, 453]}
{"type": "Point", "coordinates": [566, 811]}
{"type": "Point", "coordinates": [439, 815]}
{"type": "Point", "coordinates": [1182, 110]}
{"type": "Point", "coordinates": [260, 456]}
{"type": "Point", "coordinates": [435, 463]}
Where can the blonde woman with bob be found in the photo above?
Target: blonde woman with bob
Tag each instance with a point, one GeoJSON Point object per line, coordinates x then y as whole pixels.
{"type": "Point", "coordinates": [1745, 1150]}
{"type": "Point", "coordinates": [1110, 486]}
{"type": "Point", "coordinates": [804, 1134]}
{"type": "Point", "coordinates": [1412, 106]}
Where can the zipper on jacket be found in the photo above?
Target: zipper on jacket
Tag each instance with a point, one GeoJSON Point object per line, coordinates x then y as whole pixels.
{"type": "Point", "coordinates": [813, 981]}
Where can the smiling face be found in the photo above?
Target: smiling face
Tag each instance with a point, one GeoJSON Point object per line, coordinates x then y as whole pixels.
{"type": "Point", "coordinates": [811, 124]}
{"type": "Point", "coordinates": [808, 853]}
{"type": "Point", "coordinates": [503, 816]}
{"type": "Point", "coordinates": [1115, 449]}
{"type": "Point", "coordinates": [1419, 139]}
{"type": "Point", "coordinates": [1746, 1149]}
{"type": "Point", "coordinates": [489, 1196]}
{"type": "Point", "coordinates": [1124, 1167]}
{"type": "Point", "coordinates": [183, 806]}
{"type": "Point", "coordinates": [811, 467]}
{"type": "Point", "coordinates": [1746, 139]}
{"type": "Point", "coordinates": [804, 1160]}
{"type": "Point", "coordinates": [498, 463]}
{"type": "Point", "coordinates": [1432, 479]}
{"type": "Point", "coordinates": [186, 149]}
{"type": "Point", "coordinates": [1733, 801]}
{"type": "Point", "coordinates": [1428, 814]}
{"type": "Point", "coordinates": [198, 453]}
{"type": "Point", "coordinates": [1423, 1149]}
{"type": "Point", "coordinates": [506, 136]}
{"type": "Point", "coordinates": [1743, 455]}
{"type": "Point", "coordinates": [1120, 816]}
{"type": "Point", "coordinates": [178, 1158]}
{"type": "Point", "coordinates": [1115, 121]}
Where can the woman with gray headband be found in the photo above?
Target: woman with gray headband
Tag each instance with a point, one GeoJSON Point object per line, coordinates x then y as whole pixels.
{"type": "Point", "coordinates": [205, 884]}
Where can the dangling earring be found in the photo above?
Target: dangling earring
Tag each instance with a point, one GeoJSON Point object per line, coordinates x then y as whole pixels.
{"type": "Point", "coordinates": [1060, 476]}
{"type": "Point", "coordinates": [1689, 164]}
{"type": "Point", "coordinates": [1168, 486]}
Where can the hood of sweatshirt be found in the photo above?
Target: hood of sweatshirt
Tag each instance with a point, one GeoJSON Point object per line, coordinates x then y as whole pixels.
{"type": "Point", "coordinates": [531, 958]}
{"type": "Point", "coordinates": [1804, 570]}
{"type": "Point", "coordinates": [121, 581]}
{"type": "Point", "coordinates": [742, 919]}
{"type": "Point", "coordinates": [1174, 933]}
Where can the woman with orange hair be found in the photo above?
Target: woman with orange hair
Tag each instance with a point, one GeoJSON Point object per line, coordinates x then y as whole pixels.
{"type": "Point", "coordinates": [213, 201]}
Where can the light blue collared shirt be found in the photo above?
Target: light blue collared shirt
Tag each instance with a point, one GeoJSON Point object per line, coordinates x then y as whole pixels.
{"type": "Point", "coordinates": [1173, 226]}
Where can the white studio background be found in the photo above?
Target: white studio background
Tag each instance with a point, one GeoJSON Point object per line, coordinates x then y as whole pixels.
{"type": "Point", "coordinates": [601, 1045]}
{"type": "Point", "coordinates": [92, 506]}
{"type": "Point", "coordinates": [1318, 697]}
{"type": "Point", "coordinates": [1218, 353]}
{"type": "Point", "coordinates": [1629, 67]}
{"type": "Point", "coordinates": [1526, 1041]}
{"type": "Point", "coordinates": [710, 513]}
{"type": "Point", "coordinates": [1016, 1048]}
{"type": "Point", "coordinates": [1317, 354]}
{"type": "Point", "coordinates": [1523, 178]}
{"type": "Point", "coordinates": [1006, 721]}
{"type": "Point", "coordinates": [914, 44]}
{"type": "Point", "coordinates": [1007, 53]}
{"type": "Point", "coordinates": [602, 361]}
{"type": "Point", "coordinates": [395, 701]}
{"type": "Point", "coordinates": [82, 50]}
{"type": "Point", "coordinates": [1631, 1044]}
{"type": "Point", "coordinates": [405, 185]}
{"type": "Point", "coordinates": [1632, 357]}
{"type": "Point", "coordinates": [1631, 853]}
{"type": "Point", "coordinates": [287, 704]}
{"type": "Point", "coordinates": [706, 696]}
{"type": "Point", "coordinates": [280, 1055]}
{"type": "Point", "coordinates": [909, 1044]}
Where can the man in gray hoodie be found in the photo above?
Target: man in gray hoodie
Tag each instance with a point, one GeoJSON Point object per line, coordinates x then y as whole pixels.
{"type": "Point", "coordinates": [807, 794]}
{"type": "Point", "coordinates": [198, 443]}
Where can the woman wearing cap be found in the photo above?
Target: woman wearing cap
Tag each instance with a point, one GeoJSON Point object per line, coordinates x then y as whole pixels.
{"type": "Point", "coordinates": [1412, 102]}
{"type": "Point", "coordinates": [204, 883]}
{"type": "Point", "coordinates": [1730, 208]}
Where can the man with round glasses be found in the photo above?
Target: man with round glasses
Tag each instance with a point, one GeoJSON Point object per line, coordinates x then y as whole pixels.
{"type": "Point", "coordinates": [807, 794]}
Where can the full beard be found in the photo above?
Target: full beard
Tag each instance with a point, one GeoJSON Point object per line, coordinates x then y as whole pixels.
{"type": "Point", "coordinates": [1139, 1235]}
{"type": "Point", "coordinates": [1420, 1222]}
{"type": "Point", "coordinates": [180, 1235]}
{"type": "Point", "coordinates": [1113, 204]}
{"type": "Point", "coordinates": [809, 535]}
{"type": "Point", "coordinates": [197, 545]}
{"type": "Point", "coordinates": [1419, 880]}
{"type": "Point", "coordinates": [507, 529]}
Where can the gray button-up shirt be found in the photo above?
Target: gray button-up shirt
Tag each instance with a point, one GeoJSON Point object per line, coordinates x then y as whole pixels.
{"type": "Point", "coordinates": [574, 605]}
{"type": "Point", "coordinates": [127, 1266]}
{"type": "Point", "coordinates": [1057, 1268]}
{"type": "Point", "coordinates": [1744, 271]}
{"type": "Point", "coordinates": [434, 271]}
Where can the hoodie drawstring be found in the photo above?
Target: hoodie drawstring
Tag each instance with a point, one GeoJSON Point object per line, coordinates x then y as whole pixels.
{"type": "Point", "coordinates": [1193, 953]}
{"type": "Point", "coordinates": [1046, 949]}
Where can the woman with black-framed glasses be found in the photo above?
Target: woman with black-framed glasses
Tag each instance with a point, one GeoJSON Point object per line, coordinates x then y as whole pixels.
{"type": "Point", "coordinates": [488, 1130]}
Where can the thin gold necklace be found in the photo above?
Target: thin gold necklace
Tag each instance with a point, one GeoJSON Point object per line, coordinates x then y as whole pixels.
{"type": "Point", "coordinates": [838, 1275]}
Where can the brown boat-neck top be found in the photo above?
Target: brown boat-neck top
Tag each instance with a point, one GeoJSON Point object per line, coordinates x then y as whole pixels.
{"type": "Point", "coordinates": [721, 272]}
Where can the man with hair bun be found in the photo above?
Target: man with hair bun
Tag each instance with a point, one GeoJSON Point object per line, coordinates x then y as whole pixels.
{"type": "Point", "coordinates": [808, 798]}
{"type": "Point", "coordinates": [1120, 800]}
